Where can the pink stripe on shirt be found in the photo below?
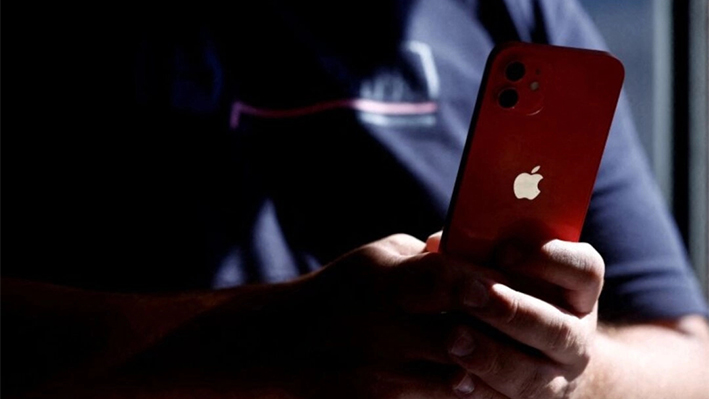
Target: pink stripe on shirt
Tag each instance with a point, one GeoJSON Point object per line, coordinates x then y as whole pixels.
{"type": "Point", "coordinates": [371, 106]}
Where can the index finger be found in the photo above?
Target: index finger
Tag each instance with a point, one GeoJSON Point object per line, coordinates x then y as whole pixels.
{"type": "Point", "coordinates": [560, 335]}
{"type": "Point", "coordinates": [575, 267]}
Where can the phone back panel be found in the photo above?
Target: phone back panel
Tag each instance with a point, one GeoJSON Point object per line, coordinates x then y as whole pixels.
{"type": "Point", "coordinates": [552, 138]}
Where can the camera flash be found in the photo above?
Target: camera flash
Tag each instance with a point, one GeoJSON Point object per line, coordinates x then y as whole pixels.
{"type": "Point", "coordinates": [534, 85]}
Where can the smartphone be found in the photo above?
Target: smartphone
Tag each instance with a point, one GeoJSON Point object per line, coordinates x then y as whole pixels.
{"type": "Point", "coordinates": [535, 143]}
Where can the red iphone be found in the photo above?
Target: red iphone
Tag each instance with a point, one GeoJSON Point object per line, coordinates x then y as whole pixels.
{"type": "Point", "coordinates": [534, 147]}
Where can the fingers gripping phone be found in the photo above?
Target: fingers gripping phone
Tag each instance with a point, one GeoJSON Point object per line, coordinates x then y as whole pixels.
{"type": "Point", "coordinates": [534, 146]}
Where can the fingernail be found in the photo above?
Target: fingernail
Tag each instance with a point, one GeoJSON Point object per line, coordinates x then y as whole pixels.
{"type": "Point", "coordinates": [510, 255]}
{"type": "Point", "coordinates": [463, 345]}
{"type": "Point", "coordinates": [465, 386]}
{"type": "Point", "coordinates": [475, 294]}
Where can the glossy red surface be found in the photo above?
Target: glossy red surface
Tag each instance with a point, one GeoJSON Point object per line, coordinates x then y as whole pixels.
{"type": "Point", "coordinates": [567, 99]}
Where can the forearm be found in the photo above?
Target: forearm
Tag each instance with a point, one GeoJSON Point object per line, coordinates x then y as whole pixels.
{"type": "Point", "coordinates": [187, 385]}
{"type": "Point", "coordinates": [55, 335]}
{"type": "Point", "coordinates": [650, 361]}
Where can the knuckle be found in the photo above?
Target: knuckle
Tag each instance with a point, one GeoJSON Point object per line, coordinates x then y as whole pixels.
{"type": "Point", "coordinates": [572, 341]}
{"type": "Point", "coordinates": [400, 243]}
{"type": "Point", "coordinates": [582, 257]}
{"type": "Point", "coordinates": [564, 338]}
{"type": "Point", "coordinates": [398, 238]}
{"type": "Point", "coordinates": [583, 352]}
{"type": "Point", "coordinates": [536, 385]}
{"type": "Point", "coordinates": [372, 250]}
{"type": "Point", "coordinates": [592, 263]}
{"type": "Point", "coordinates": [511, 309]}
{"type": "Point", "coordinates": [495, 365]}
{"type": "Point", "coordinates": [584, 359]}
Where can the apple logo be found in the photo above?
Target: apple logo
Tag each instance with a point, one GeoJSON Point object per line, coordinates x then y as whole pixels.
{"type": "Point", "coordinates": [527, 186]}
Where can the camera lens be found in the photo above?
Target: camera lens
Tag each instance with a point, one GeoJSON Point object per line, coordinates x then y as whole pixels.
{"type": "Point", "coordinates": [515, 71]}
{"type": "Point", "coordinates": [508, 98]}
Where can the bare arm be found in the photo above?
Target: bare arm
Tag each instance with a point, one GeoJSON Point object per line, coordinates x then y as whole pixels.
{"type": "Point", "coordinates": [654, 360]}
{"type": "Point", "coordinates": [57, 338]}
{"type": "Point", "coordinates": [367, 325]}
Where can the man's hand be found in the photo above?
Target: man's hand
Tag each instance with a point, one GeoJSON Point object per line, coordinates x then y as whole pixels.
{"type": "Point", "coordinates": [392, 294]}
{"type": "Point", "coordinates": [545, 347]}
{"type": "Point", "coordinates": [544, 340]}
{"type": "Point", "coordinates": [376, 322]}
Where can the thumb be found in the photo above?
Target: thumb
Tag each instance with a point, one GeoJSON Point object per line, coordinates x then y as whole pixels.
{"type": "Point", "coordinates": [433, 242]}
